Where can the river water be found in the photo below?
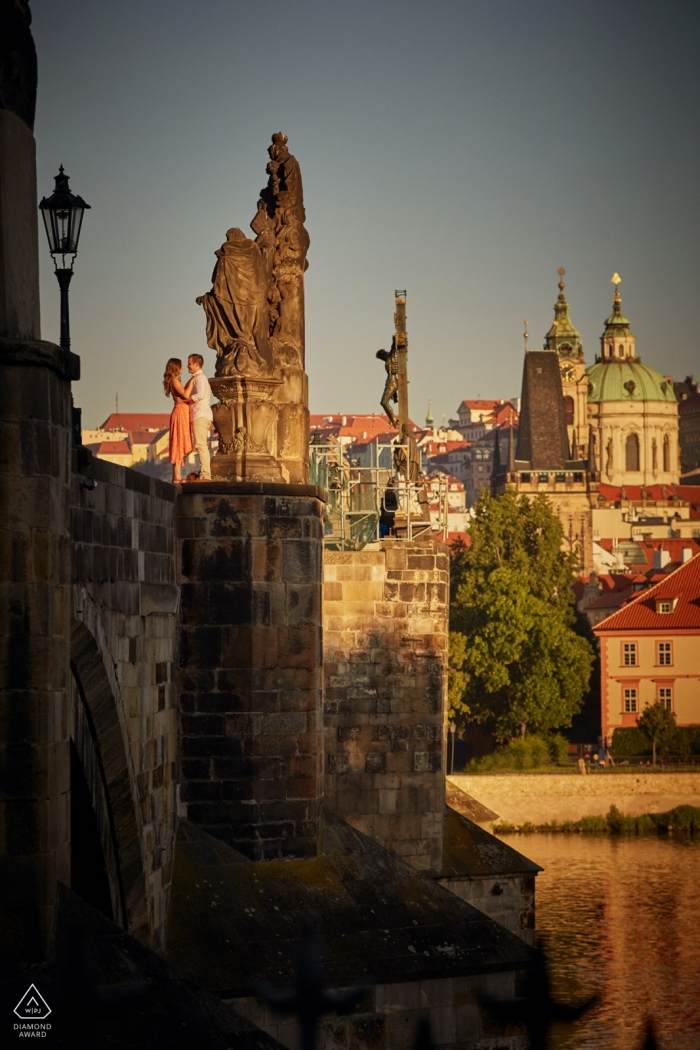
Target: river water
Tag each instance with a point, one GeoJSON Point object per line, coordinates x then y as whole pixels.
{"type": "Point", "coordinates": [620, 917]}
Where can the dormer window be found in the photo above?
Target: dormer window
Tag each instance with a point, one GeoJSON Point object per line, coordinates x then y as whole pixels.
{"type": "Point", "coordinates": [665, 606]}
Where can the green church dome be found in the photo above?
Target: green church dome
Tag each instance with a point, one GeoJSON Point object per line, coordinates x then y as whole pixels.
{"type": "Point", "coordinates": [627, 380]}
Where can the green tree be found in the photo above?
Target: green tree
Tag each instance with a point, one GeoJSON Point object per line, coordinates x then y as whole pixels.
{"type": "Point", "coordinates": [658, 724]}
{"type": "Point", "coordinates": [515, 660]}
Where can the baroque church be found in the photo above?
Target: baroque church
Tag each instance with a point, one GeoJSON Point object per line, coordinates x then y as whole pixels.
{"type": "Point", "coordinates": [592, 437]}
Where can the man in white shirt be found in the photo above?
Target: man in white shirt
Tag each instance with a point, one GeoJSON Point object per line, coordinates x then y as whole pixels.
{"type": "Point", "coordinates": [202, 416]}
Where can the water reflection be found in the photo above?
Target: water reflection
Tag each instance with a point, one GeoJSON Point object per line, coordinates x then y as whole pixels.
{"type": "Point", "coordinates": [621, 917]}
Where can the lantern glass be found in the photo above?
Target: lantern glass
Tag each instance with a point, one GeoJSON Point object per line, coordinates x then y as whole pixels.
{"type": "Point", "coordinates": [63, 216]}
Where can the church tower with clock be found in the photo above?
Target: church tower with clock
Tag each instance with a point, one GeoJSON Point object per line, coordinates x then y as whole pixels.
{"type": "Point", "coordinates": [565, 341]}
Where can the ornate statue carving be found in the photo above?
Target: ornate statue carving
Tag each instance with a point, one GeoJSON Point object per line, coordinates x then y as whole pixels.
{"type": "Point", "coordinates": [283, 198]}
{"type": "Point", "coordinates": [255, 322]}
{"type": "Point", "coordinates": [407, 461]}
{"type": "Point", "coordinates": [238, 323]}
{"type": "Point", "coordinates": [391, 386]}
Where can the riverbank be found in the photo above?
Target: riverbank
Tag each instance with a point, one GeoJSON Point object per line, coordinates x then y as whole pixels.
{"type": "Point", "coordinates": [539, 799]}
{"type": "Point", "coordinates": [684, 819]}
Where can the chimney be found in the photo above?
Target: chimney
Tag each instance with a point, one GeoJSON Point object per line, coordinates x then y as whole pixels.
{"type": "Point", "coordinates": [661, 558]}
{"type": "Point", "coordinates": [686, 555]}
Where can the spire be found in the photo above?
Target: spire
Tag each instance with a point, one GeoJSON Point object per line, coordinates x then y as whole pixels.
{"type": "Point", "coordinates": [562, 337]}
{"type": "Point", "coordinates": [429, 421]}
{"type": "Point", "coordinates": [617, 340]}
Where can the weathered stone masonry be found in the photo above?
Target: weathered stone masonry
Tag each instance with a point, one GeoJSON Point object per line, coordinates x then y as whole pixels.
{"type": "Point", "coordinates": [249, 556]}
{"type": "Point", "coordinates": [124, 605]}
{"type": "Point", "coordinates": [35, 410]}
{"type": "Point", "coordinates": [385, 666]}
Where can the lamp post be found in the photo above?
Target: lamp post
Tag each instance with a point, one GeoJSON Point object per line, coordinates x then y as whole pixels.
{"type": "Point", "coordinates": [63, 216]}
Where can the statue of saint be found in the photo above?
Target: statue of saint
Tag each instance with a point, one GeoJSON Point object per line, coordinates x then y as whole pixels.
{"type": "Point", "coordinates": [238, 318]}
{"type": "Point", "coordinates": [407, 461]}
{"type": "Point", "coordinates": [391, 387]}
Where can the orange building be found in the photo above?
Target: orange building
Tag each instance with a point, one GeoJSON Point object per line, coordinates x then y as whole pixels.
{"type": "Point", "coordinates": [650, 652]}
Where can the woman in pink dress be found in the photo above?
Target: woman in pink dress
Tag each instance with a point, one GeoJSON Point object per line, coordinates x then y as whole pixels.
{"type": "Point", "coordinates": [180, 432]}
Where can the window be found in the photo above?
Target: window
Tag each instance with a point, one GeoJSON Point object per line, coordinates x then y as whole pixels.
{"type": "Point", "coordinates": [569, 410]}
{"type": "Point", "coordinates": [543, 478]}
{"type": "Point", "coordinates": [629, 654]}
{"type": "Point", "coordinates": [632, 452]}
{"type": "Point", "coordinates": [665, 696]}
{"type": "Point", "coordinates": [629, 699]}
{"type": "Point", "coordinates": [560, 478]}
{"type": "Point", "coordinates": [664, 606]}
{"type": "Point", "coordinates": [667, 453]}
{"type": "Point", "coordinates": [664, 654]}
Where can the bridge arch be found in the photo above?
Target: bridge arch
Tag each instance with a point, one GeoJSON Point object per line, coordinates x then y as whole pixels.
{"type": "Point", "coordinates": [99, 746]}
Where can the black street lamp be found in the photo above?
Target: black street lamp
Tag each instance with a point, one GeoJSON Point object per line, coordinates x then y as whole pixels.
{"type": "Point", "coordinates": [63, 217]}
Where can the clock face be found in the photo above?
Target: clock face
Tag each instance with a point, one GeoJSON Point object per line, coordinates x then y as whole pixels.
{"type": "Point", "coordinates": [567, 373]}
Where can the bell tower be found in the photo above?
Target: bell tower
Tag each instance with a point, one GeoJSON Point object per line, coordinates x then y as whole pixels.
{"type": "Point", "coordinates": [565, 341]}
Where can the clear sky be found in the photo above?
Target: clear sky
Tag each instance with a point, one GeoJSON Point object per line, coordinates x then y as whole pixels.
{"type": "Point", "coordinates": [461, 149]}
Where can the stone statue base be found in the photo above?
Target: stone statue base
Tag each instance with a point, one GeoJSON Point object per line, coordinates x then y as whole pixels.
{"type": "Point", "coordinates": [246, 419]}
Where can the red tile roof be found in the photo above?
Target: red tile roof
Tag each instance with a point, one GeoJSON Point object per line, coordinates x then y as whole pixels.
{"type": "Point", "coordinates": [674, 547]}
{"type": "Point", "coordinates": [137, 421]}
{"type": "Point", "coordinates": [633, 493]}
{"type": "Point", "coordinates": [145, 437]}
{"type": "Point", "coordinates": [112, 448]}
{"type": "Point", "coordinates": [641, 614]}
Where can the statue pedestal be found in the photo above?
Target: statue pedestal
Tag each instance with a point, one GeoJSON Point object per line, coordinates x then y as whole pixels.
{"type": "Point", "coordinates": [246, 420]}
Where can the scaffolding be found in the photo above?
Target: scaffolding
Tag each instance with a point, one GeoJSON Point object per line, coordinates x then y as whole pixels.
{"type": "Point", "coordinates": [369, 502]}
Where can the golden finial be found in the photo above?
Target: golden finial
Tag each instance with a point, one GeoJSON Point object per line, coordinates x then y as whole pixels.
{"type": "Point", "coordinates": [526, 334]}
{"type": "Point", "coordinates": [561, 271]}
{"type": "Point", "coordinates": [617, 281]}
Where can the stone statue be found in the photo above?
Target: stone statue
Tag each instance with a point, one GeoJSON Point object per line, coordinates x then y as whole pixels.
{"type": "Point", "coordinates": [238, 322]}
{"type": "Point", "coordinates": [391, 387]}
{"type": "Point", "coordinates": [283, 199]}
{"type": "Point", "coordinates": [255, 322]}
{"type": "Point", "coordinates": [407, 461]}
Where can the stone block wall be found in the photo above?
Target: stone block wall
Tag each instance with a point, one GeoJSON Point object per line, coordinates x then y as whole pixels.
{"type": "Point", "coordinates": [509, 899]}
{"type": "Point", "coordinates": [124, 605]}
{"type": "Point", "coordinates": [250, 683]}
{"type": "Point", "coordinates": [385, 663]}
{"type": "Point", "coordinates": [35, 426]}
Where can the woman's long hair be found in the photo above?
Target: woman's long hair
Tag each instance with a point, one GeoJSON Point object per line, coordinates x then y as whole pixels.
{"type": "Point", "coordinates": [172, 369]}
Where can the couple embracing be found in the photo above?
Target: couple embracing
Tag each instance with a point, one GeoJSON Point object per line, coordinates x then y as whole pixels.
{"type": "Point", "coordinates": [191, 416]}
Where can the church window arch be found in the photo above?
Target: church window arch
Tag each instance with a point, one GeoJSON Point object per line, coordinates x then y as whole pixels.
{"type": "Point", "coordinates": [621, 350]}
{"type": "Point", "coordinates": [569, 410]}
{"type": "Point", "coordinates": [654, 457]}
{"type": "Point", "coordinates": [666, 453]}
{"type": "Point", "coordinates": [632, 453]}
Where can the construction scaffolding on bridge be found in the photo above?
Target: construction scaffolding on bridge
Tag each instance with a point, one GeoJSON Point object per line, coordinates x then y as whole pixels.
{"type": "Point", "coordinates": [370, 502]}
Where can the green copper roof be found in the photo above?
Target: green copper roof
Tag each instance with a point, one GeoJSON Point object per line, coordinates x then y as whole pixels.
{"type": "Point", "coordinates": [562, 331]}
{"type": "Point", "coordinates": [617, 321]}
{"type": "Point", "coordinates": [627, 381]}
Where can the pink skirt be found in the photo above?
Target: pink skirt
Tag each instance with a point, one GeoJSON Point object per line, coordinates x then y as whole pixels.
{"type": "Point", "coordinates": [180, 433]}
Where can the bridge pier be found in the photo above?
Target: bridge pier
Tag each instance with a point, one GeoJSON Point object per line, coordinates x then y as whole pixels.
{"type": "Point", "coordinates": [250, 681]}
